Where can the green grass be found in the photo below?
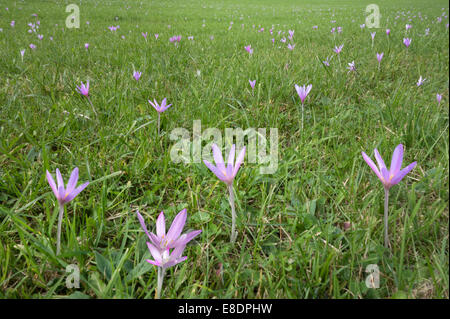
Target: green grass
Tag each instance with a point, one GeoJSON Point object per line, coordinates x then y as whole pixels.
{"type": "Point", "coordinates": [291, 241]}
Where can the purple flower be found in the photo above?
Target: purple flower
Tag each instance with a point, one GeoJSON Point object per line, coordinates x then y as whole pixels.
{"type": "Point", "coordinates": [338, 49]}
{"type": "Point", "coordinates": [327, 61]}
{"type": "Point", "coordinates": [22, 52]}
{"type": "Point", "coordinates": [145, 35]}
{"type": "Point", "coordinates": [228, 173]}
{"type": "Point", "coordinates": [406, 42]}
{"type": "Point", "coordinates": [315, 27]}
{"type": "Point", "coordinates": [83, 89]}
{"type": "Point", "coordinates": [65, 195]}
{"type": "Point", "coordinates": [362, 26]}
{"type": "Point", "coordinates": [351, 67]}
{"type": "Point", "coordinates": [13, 23]}
{"type": "Point", "coordinates": [160, 108]}
{"type": "Point", "coordinates": [372, 34]}
{"type": "Point", "coordinates": [249, 49]}
{"type": "Point", "coordinates": [303, 91]}
{"type": "Point", "coordinates": [162, 241]}
{"type": "Point", "coordinates": [388, 31]}
{"type": "Point", "coordinates": [408, 26]}
{"type": "Point", "coordinates": [191, 38]}
{"type": "Point", "coordinates": [291, 46]}
{"type": "Point", "coordinates": [160, 244]}
{"type": "Point", "coordinates": [394, 175]}
{"type": "Point", "coordinates": [420, 81]}
{"type": "Point", "coordinates": [438, 98]}
{"type": "Point", "coordinates": [339, 29]}
{"type": "Point", "coordinates": [156, 36]}
{"type": "Point", "coordinates": [252, 83]}
{"type": "Point", "coordinates": [137, 75]}
{"type": "Point", "coordinates": [32, 46]}
{"type": "Point", "coordinates": [379, 57]}
{"type": "Point", "coordinates": [283, 40]}
{"type": "Point", "coordinates": [86, 46]}
{"type": "Point", "coordinates": [176, 38]}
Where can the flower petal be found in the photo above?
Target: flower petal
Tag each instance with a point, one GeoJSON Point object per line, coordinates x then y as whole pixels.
{"type": "Point", "coordinates": [215, 170]}
{"type": "Point", "coordinates": [397, 159]}
{"type": "Point", "coordinates": [161, 225]}
{"type": "Point", "coordinates": [155, 252]}
{"type": "Point", "coordinates": [52, 184]}
{"type": "Point", "coordinates": [399, 176]}
{"type": "Point", "coordinates": [72, 181]}
{"type": "Point", "coordinates": [75, 192]}
{"type": "Point", "coordinates": [239, 161]}
{"type": "Point", "coordinates": [142, 222]}
{"type": "Point", "coordinates": [177, 226]}
{"type": "Point", "coordinates": [217, 154]}
{"type": "Point", "coordinates": [379, 159]}
{"type": "Point", "coordinates": [372, 166]}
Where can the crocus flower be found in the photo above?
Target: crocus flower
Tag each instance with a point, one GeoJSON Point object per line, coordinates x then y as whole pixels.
{"type": "Point", "coordinates": [351, 67]}
{"type": "Point", "coordinates": [86, 46]}
{"type": "Point", "coordinates": [145, 34]}
{"type": "Point", "coordinates": [173, 238]}
{"type": "Point", "coordinates": [338, 49]}
{"type": "Point", "coordinates": [303, 92]}
{"type": "Point", "coordinates": [159, 108]}
{"type": "Point", "coordinates": [13, 23]}
{"type": "Point", "coordinates": [137, 75]}
{"type": "Point", "coordinates": [161, 243]}
{"type": "Point", "coordinates": [227, 175]}
{"type": "Point", "coordinates": [438, 98]}
{"type": "Point", "coordinates": [22, 52]}
{"type": "Point", "coordinates": [327, 61]}
{"type": "Point", "coordinates": [252, 83]}
{"type": "Point", "coordinates": [64, 195]}
{"type": "Point", "coordinates": [406, 42]}
{"type": "Point", "coordinates": [388, 31]}
{"type": "Point", "coordinates": [83, 89]}
{"type": "Point", "coordinates": [362, 26]}
{"type": "Point", "coordinates": [408, 26]}
{"type": "Point", "coordinates": [291, 46]}
{"type": "Point", "coordinates": [420, 81]}
{"type": "Point", "coordinates": [379, 58]}
{"type": "Point", "coordinates": [32, 46]}
{"type": "Point", "coordinates": [249, 49]}
{"type": "Point", "coordinates": [389, 177]}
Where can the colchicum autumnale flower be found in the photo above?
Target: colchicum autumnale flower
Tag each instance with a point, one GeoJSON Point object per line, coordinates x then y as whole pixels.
{"type": "Point", "coordinates": [161, 243]}
{"type": "Point", "coordinates": [389, 177]}
{"type": "Point", "coordinates": [227, 175]}
{"type": "Point", "coordinates": [64, 195]}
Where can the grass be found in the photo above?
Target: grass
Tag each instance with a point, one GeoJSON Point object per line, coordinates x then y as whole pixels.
{"type": "Point", "coordinates": [291, 237]}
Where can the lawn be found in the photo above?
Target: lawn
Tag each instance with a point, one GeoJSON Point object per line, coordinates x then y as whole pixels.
{"type": "Point", "coordinates": [310, 227]}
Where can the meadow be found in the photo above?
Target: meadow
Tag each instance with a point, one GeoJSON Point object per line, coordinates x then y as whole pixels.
{"type": "Point", "coordinates": [310, 229]}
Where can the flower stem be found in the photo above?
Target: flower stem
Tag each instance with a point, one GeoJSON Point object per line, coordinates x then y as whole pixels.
{"type": "Point", "coordinates": [303, 110]}
{"type": "Point", "coordinates": [93, 109]}
{"type": "Point", "coordinates": [233, 214]}
{"type": "Point", "coordinates": [161, 271]}
{"type": "Point", "coordinates": [159, 119]}
{"type": "Point", "coordinates": [58, 234]}
{"type": "Point", "coordinates": [386, 207]}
